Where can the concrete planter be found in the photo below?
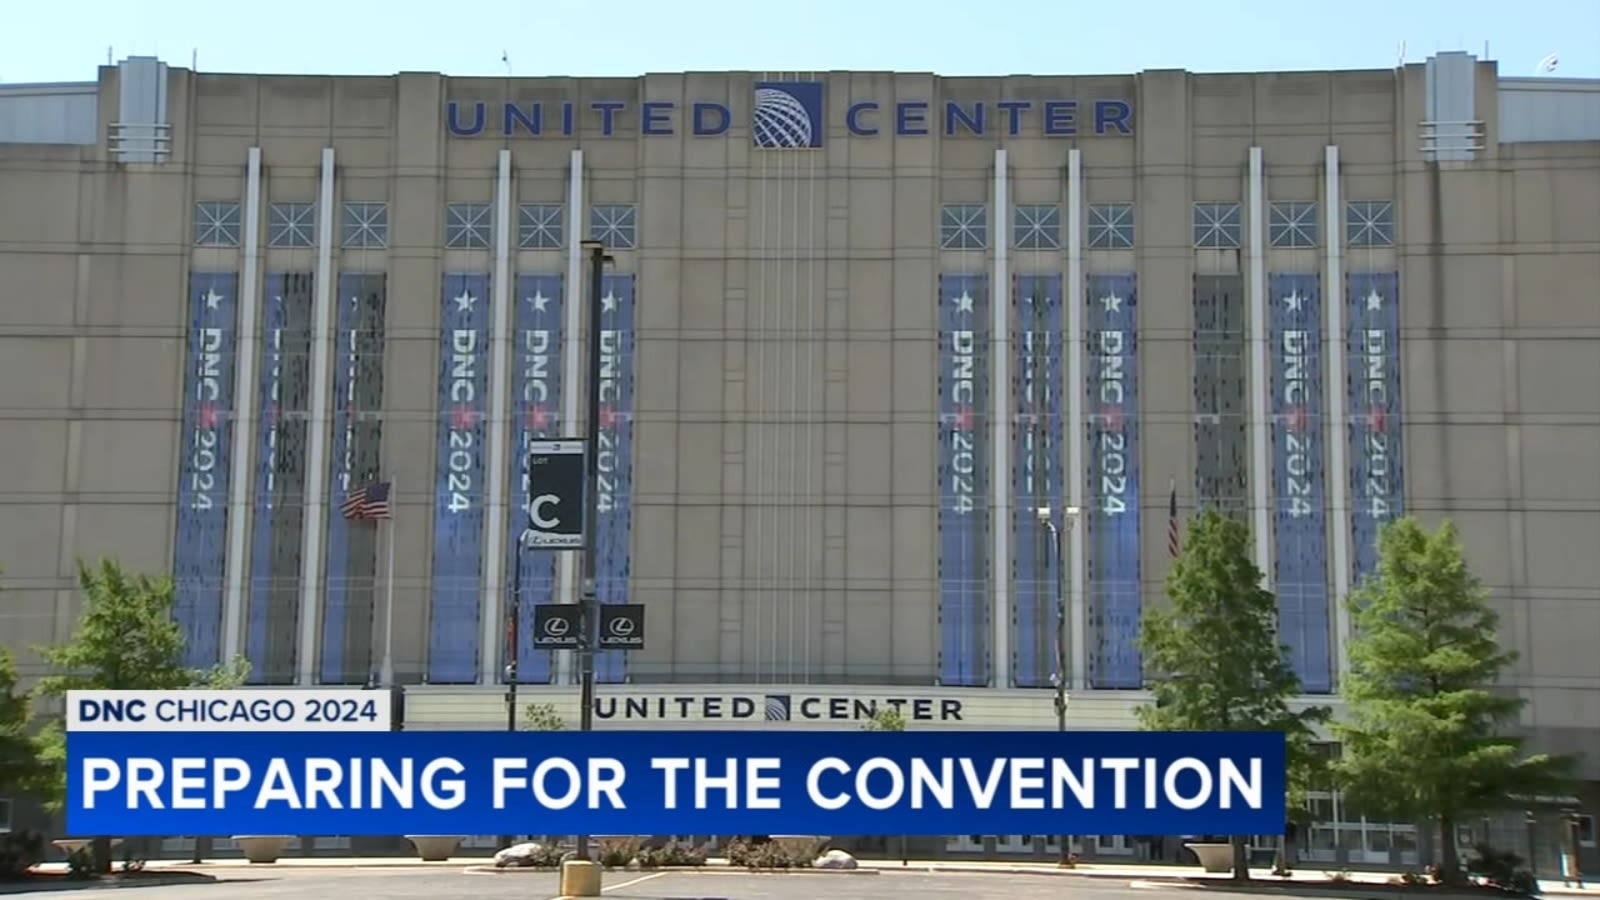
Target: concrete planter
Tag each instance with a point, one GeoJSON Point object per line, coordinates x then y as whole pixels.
{"type": "Point", "coordinates": [263, 848]}
{"type": "Point", "coordinates": [801, 847]}
{"type": "Point", "coordinates": [1214, 857]}
{"type": "Point", "coordinates": [434, 847]}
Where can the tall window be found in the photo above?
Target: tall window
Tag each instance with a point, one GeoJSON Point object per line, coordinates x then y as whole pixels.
{"type": "Point", "coordinates": [1216, 226]}
{"type": "Point", "coordinates": [964, 226]}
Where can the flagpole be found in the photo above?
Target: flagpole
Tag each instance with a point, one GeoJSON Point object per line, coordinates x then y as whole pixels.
{"type": "Point", "coordinates": [386, 673]}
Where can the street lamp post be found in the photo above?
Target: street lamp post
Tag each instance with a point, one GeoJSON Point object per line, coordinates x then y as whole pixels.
{"type": "Point", "coordinates": [513, 650]}
{"type": "Point", "coordinates": [1058, 556]}
{"type": "Point", "coordinates": [598, 257]}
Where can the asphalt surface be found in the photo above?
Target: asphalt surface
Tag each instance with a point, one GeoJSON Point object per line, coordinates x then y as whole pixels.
{"type": "Point", "coordinates": [458, 884]}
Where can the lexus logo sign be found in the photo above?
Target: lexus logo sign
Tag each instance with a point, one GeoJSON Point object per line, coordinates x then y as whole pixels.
{"type": "Point", "coordinates": [555, 626]}
{"type": "Point", "coordinates": [621, 626]}
{"type": "Point", "coordinates": [556, 486]}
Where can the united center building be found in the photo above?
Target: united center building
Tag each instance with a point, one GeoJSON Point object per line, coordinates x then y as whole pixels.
{"type": "Point", "coordinates": [859, 328]}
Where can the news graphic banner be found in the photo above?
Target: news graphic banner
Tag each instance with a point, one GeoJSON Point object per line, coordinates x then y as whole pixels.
{"type": "Point", "coordinates": [178, 768]}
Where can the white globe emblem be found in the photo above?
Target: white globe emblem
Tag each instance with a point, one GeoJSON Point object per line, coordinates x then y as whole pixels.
{"type": "Point", "coordinates": [780, 120]}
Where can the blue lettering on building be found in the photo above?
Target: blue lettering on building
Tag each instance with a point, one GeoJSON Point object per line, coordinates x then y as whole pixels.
{"type": "Point", "coordinates": [1060, 118]}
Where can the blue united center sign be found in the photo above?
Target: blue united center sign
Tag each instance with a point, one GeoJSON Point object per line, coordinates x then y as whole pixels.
{"type": "Point", "coordinates": [792, 115]}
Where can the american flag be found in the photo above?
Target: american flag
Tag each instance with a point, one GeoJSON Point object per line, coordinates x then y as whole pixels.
{"type": "Point", "coordinates": [369, 502]}
{"type": "Point", "coordinates": [1174, 544]}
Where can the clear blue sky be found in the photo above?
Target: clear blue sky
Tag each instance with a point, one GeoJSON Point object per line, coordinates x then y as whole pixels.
{"type": "Point", "coordinates": [64, 41]}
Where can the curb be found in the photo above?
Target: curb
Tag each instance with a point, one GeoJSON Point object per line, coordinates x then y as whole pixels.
{"type": "Point", "coordinates": [143, 881]}
{"type": "Point", "coordinates": [678, 870]}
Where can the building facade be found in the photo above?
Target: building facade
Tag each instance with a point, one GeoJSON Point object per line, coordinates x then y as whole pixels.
{"type": "Point", "coordinates": [859, 329]}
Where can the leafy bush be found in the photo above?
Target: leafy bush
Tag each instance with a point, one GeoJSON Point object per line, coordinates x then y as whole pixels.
{"type": "Point", "coordinates": [1503, 870]}
{"type": "Point", "coordinates": [81, 865]}
{"type": "Point", "coordinates": [614, 858]}
{"type": "Point", "coordinates": [763, 855]}
{"type": "Point", "coordinates": [19, 852]}
{"type": "Point", "coordinates": [671, 854]}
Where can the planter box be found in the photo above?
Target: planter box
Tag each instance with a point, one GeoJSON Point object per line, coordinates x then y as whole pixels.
{"type": "Point", "coordinates": [1214, 857]}
{"type": "Point", "coordinates": [262, 848]}
{"type": "Point", "coordinates": [434, 847]}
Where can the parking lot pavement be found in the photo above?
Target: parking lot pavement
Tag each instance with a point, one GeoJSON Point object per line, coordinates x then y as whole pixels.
{"type": "Point", "coordinates": [415, 883]}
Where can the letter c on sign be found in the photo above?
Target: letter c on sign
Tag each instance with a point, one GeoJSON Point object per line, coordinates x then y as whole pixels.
{"type": "Point", "coordinates": [814, 788]}
{"type": "Point", "coordinates": [539, 503]}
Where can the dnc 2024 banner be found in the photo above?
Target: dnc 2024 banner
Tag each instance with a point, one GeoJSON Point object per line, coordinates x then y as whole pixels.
{"type": "Point", "coordinates": [324, 762]}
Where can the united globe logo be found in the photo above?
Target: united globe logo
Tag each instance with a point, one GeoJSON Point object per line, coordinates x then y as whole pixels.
{"type": "Point", "coordinates": [787, 115]}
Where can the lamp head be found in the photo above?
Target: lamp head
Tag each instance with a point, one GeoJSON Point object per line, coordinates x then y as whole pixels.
{"type": "Point", "coordinates": [1072, 512]}
{"type": "Point", "coordinates": [1043, 514]}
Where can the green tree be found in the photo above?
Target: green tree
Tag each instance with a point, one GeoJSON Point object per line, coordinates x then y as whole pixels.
{"type": "Point", "coordinates": [1214, 657]}
{"type": "Point", "coordinates": [20, 768]}
{"type": "Point", "coordinates": [542, 717]}
{"type": "Point", "coordinates": [126, 639]}
{"type": "Point", "coordinates": [1425, 737]}
{"type": "Point", "coordinates": [886, 718]}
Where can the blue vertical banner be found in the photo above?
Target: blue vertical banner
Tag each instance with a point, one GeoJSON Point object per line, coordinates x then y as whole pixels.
{"type": "Point", "coordinates": [202, 527]}
{"type": "Point", "coordinates": [1036, 478]}
{"type": "Point", "coordinates": [1299, 523]}
{"type": "Point", "coordinates": [963, 480]}
{"type": "Point", "coordinates": [614, 490]}
{"type": "Point", "coordinates": [351, 547]}
{"type": "Point", "coordinates": [1111, 385]}
{"type": "Point", "coordinates": [458, 515]}
{"type": "Point", "coordinates": [271, 627]}
{"type": "Point", "coordinates": [536, 415]}
{"type": "Point", "coordinates": [1373, 362]}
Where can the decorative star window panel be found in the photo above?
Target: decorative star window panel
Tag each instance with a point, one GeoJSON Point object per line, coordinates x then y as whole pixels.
{"type": "Point", "coordinates": [1292, 224]}
{"type": "Point", "coordinates": [1037, 226]}
{"type": "Point", "coordinates": [291, 224]}
{"type": "Point", "coordinates": [964, 226]}
{"type": "Point", "coordinates": [1369, 223]}
{"type": "Point", "coordinates": [1111, 226]}
{"type": "Point", "coordinates": [1216, 226]}
{"type": "Point", "coordinates": [216, 223]}
{"type": "Point", "coordinates": [468, 226]}
{"type": "Point", "coordinates": [539, 226]}
{"type": "Point", "coordinates": [365, 226]}
{"type": "Point", "coordinates": [615, 225]}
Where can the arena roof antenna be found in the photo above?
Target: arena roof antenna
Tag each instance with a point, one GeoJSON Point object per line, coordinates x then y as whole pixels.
{"type": "Point", "coordinates": [505, 59]}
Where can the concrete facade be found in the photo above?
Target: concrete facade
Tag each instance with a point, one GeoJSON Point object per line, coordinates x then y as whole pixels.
{"type": "Point", "coordinates": [783, 476]}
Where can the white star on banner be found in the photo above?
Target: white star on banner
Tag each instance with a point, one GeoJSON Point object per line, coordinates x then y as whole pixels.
{"type": "Point", "coordinates": [539, 300]}
{"type": "Point", "coordinates": [464, 301]}
{"type": "Point", "coordinates": [1374, 300]}
{"type": "Point", "coordinates": [212, 298]}
{"type": "Point", "coordinates": [1112, 302]}
{"type": "Point", "coordinates": [1294, 300]}
{"type": "Point", "coordinates": [608, 303]}
{"type": "Point", "coordinates": [963, 302]}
